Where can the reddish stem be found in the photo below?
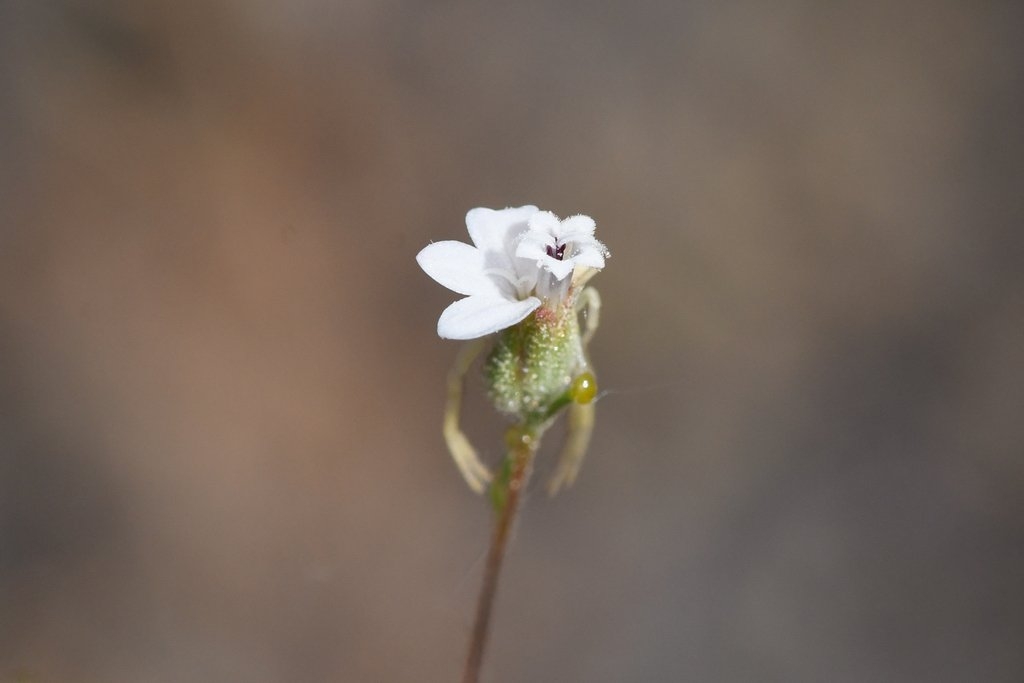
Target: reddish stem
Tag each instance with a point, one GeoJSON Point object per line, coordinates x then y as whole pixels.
{"type": "Point", "coordinates": [522, 455]}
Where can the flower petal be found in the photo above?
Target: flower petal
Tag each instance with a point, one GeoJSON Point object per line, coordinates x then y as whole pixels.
{"type": "Point", "coordinates": [557, 268]}
{"type": "Point", "coordinates": [457, 266]}
{"type": "Point", "coordinates": [489, 229]}
{"type": "Point", "coordinates": [580, 224]}
{"type": "Point", "coordinates": [534, 245]}
{"type": "Point", "coordinates": [590, 255]}
{"type": "Point", "coordinates": [546, 222]}
{"type": "Point", "coordinates": [477, 316]}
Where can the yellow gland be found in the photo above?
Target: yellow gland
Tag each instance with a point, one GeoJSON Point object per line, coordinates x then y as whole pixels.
{"type": "Point", "coordinates": [584, 388]}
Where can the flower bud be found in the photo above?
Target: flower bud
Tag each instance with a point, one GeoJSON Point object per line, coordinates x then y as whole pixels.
{"type": "Point", "coordinates": [533, 363]}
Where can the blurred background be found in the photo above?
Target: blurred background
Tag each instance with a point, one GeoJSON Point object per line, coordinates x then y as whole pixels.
{"type": "Point", "coordinates": [221, 387]}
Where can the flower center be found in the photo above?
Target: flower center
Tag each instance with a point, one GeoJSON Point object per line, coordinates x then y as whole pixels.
{"type": "Point", "coordinates": [556, 253]}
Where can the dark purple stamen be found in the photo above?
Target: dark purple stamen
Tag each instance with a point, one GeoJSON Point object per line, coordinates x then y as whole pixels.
{"type": "Point", "coordinates": [557, 253]}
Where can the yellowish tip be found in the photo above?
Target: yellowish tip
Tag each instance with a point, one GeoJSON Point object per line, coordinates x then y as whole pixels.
{"type": "Point", "coordinates": [584, 388]}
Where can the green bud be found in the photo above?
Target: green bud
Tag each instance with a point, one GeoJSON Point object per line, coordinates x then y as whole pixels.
{"type": "Point", "coordinates": [534, 362]}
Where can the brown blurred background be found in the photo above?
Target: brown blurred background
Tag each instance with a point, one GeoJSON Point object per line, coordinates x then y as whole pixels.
{"type": "Point", "coordinates": [221, 388]}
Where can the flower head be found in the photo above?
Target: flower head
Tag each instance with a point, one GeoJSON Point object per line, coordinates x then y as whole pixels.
{"type": "Point", "coordinates": [520, 259]}
{"type": "Point", "coordinates": [557, 246]}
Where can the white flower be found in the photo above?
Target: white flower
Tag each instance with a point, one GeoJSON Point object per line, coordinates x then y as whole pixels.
{"type": "Point", "coordinates": [503, 273]}
{"type": "Point", "coordinates": [558, 246]}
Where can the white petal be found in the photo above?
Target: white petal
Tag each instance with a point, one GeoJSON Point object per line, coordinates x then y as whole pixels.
{"type": "Point", "coordinates": [590, 256]}
{"type": "Point", "coordinates": [457, 266]}
{"type": "Point", "coordinates": [557, 268]}
{"type": "Point", "coordinates": [546, 222]}
{"type": "Point", "coordinates": [534, 245]}
{"type": "Point", "coordinates": [477, 316]}
{"type": "Point", "coordinates": [489, 229]}
{"type": "Point", "coordinates": [526, 275]}
{"type": "Point", "coordinates": [579, 224]}
{"type": "Point", "coordinates": [578, 238]}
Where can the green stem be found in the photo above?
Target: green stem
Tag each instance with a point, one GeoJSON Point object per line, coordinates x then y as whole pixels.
{"type": "Point", "coordinates": [523, 446]}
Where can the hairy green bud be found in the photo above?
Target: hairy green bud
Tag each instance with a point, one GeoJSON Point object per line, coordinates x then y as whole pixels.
{"type": "Point", "coordinates": [533, 363]}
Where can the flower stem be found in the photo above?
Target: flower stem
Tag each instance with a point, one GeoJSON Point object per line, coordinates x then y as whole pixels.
{"type": "Point", "coordinates": [523, 447]}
